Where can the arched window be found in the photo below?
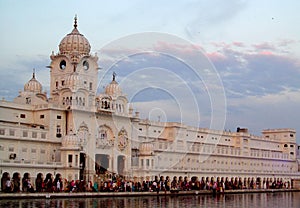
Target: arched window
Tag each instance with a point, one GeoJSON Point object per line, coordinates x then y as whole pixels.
{"type": "Point", "coordinates": [83, 133]}
{"type": "Point", "coordinates": [103, 134]}
{"type": "Point", "coordinates": [28, 100]}
{"type": "Point", "coordinates": [104, 137]}
{"type": "Point", "coordinates": [106, 104]}
{"type": "Point", "coordinates": [58, 131]}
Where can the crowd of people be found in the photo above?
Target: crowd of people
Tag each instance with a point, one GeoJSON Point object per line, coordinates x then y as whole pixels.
{"type": "Point", "coordinates": [118, 184]}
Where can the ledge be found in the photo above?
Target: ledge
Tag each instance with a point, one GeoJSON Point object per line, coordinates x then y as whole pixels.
{"type": "Point", "coordinates": [132, 194]}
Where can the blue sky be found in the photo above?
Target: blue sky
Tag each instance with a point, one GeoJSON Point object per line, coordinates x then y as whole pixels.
{"type": "Point", "coordinates": [253, 45]}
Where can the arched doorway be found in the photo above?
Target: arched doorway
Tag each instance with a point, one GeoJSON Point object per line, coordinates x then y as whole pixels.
{"type": "Point", "coordinates": [82, 165]}
{"type": "Point", "coordinates": [49, 182]}
{"type": "Point", "coordinates": [4, 177]}
{"type": "Point", "coordinates": [26, 183]}
{"type": "Point", "coordinates": [101, 163]}
{"type": "Point", "coordinates": [39, 182]}
{"type": "Point", "coordinates": [58, 183]}
{"type": "Point", "coordinates": [121, 164]}
{"type": "Point", "coordinates": [258, 182]}
{"type": "Point", "coordinates": [16, 182]}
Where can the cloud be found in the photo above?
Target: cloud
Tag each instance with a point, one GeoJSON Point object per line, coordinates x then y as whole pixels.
{"type": "Point", "coordinates": [254, 70]}
{"type": "Point", "coordinates": [287, 42]}
{"type": "Point", "coordinates": [168, 71]}
{"type": "Point", "coordinates": [262, 84]}
{"type": "Point", "coordinates": [171, 111]}
{"type": "Point", "coordinates": [14, 76]}
{"type": "Point", "coordinates": [238, 44]}
{"type": "Point", "coordinates": [264, 46]}
{"type": "Point", "coordinates": [267, 111]}
{"type": "Point", "coordinates": [208, 15]}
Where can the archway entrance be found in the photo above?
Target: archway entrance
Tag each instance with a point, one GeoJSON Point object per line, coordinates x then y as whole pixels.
{"type": "Point", "coordinates": [101, 163]}
{"type": "Point", "coordinates": [39, 182]}
{"type": "Point", "coordinates": [4, 178]}
{"type": "Point", "coordinates": [121, 164]}
{"type": "Point", "coordinates": [16, 181]}
{"type": "Point", "coordinates": [82, 165]}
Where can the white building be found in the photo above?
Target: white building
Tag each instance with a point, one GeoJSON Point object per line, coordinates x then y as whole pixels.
{"type": "Point", "coordinates": [80, 134]}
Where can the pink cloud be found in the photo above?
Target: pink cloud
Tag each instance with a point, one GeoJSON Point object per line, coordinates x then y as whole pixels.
{"type": "Point", "coordinates": [220, 44]}
{"type": "Point", "coordinates": [264, 46]}
{"type": "Point", "coordinates": [162, 45]}
{"type": "Point", "coordinates": [238, 44]}
{"type": "Point", "coordinates": [216, 56]}
{"type": "Point", "coordinates": [266, 53]}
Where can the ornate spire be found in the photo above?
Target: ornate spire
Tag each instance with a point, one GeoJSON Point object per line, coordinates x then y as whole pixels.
{"type": "Point", "coordinates": [114, 76]}
{"type": "Point", "coordinates": [75, 21]}
{"type": "Point", "coordinates": [33, 73]}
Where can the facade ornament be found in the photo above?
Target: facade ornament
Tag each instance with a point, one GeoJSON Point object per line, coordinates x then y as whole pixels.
{"type": "Point", "coordinates": [122, 139]}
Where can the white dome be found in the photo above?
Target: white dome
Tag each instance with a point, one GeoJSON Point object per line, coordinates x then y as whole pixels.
{"type": "Point", "coordinates": [74, 43]}
{"type": "Point", "coordinates": [33, 85]}
{"type": "Point", "coordinates": [113, 89]}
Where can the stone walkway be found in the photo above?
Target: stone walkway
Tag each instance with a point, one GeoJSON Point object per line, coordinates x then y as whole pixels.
{"type": "Point", "coordinates": [131, 194]}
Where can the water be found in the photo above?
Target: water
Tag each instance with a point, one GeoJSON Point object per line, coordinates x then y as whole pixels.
{"type": "Point", "coordinates": [268, 200]}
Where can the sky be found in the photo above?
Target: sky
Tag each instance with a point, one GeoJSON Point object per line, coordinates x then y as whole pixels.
{"type": "Point", "coordinates": [250, 48]}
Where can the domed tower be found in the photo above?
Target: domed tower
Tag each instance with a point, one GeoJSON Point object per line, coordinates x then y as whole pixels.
{"type": "Point", "coordinates": [113, 89]}
{"type": "Point", "coordinates": [74, 72]}
{"type": "Point", "coordinates": [33, 86]}
{"type": "Point", "coordinates": [32, 93]}
{"type": "Point", "coordinates": [112, 99]}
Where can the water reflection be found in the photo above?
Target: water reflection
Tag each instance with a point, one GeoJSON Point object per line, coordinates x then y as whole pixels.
{"type": "Point", "coordinates": [288, 199]}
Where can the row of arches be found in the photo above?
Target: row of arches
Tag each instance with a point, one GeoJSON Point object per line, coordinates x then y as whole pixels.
{"type": "Point", "coordinates": [39, 183]}
{"type": "Point", "coordinates": [77, 101]}
{"type": "Point", "coordinates": [110, 105]}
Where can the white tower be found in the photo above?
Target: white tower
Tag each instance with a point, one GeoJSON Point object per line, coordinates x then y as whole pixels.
{"type": "Point", "coordinates": [74, 72]}
{"type": "Point", "coordinates": [73, 85]}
